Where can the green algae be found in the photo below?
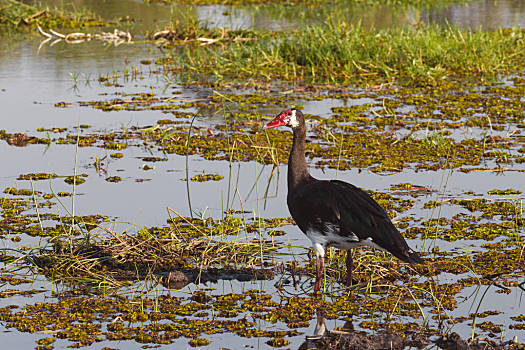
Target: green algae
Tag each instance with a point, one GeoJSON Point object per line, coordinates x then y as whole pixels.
{"type": "Point", "coordinates": [20, 192]}
{"type": "Point", "coordinates": [504, 192]}
{"type": "Point", "coordinates": [142, 318]}
{"type": "Point", "coordinates": [55, 130]}
{"type": "Point", "coordinates": [114, 179]}
{"type": "Point", "coordinates": [58, 105]}
{"type": "Point", "coordinates": [117, 155]}
{"type": "Point", "coordinates": [45, 341]}
{"type": "Point", "coordinates": [350, 137]}
{"type": "Point", "coordinates": [76, 180]}
{"type": "Point", "coordinates": [470, 224]}
{"type": "Point", "coordinates": [412, 190]}
{"type": "Point", "coordinates": [115, 145]}
{"type": "Point", "coordinates": [199, 342]}
{"type": "Point", "coordinates": [153, 159]}
{"type": "Point", "coordinates": [16, 218]}
{"type": "Point", "coordinates": [81, 141]}
{"type": "Point", "coordinates": [37, 176]}
{"type": "Point", "coordinates": [278, 342]}
{"type": "Point", "coordinates": [276, 233]}
{"type": "Point", "coordinates": [520, 318]}
{"type": "Point", "coordinates": [81, 319]}
{"type": "Point", "coordinates": [7, 293]}
{"type": "Point", "coordinates": [206, 177]}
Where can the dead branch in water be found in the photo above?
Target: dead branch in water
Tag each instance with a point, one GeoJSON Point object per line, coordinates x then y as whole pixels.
{"type": "Point", "coordinates": [117, 37]}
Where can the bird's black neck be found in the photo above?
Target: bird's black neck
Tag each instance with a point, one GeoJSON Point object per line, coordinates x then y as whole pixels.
{"type": "Point", "coordinates": [297, 170]}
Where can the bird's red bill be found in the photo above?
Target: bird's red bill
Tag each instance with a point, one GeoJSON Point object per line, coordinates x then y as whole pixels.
{"type": "Point", "coordinates": [277, 121]}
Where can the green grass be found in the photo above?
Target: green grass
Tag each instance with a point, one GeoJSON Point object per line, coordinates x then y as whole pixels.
{"type": "Point", "coordinates": [343, 53]}
{"type": "Point", "coordinates": [15, 15]}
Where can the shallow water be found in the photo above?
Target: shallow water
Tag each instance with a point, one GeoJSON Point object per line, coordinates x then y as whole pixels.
{"type": "Point", "coordinates": [481, 14]}
{"type": "Point", "coordinates": [488, 14]}
{"type": "Point", "coordinates": [34, 78]}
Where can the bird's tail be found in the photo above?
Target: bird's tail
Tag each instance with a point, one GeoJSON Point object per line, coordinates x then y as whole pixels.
{"type": "Point", "coordinates": [396, 244]}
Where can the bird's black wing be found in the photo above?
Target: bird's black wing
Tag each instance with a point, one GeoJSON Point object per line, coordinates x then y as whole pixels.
{"type": "Point", "coordinates": [354, 212]}
{"type": "Point", "coordinates": [311, 207]}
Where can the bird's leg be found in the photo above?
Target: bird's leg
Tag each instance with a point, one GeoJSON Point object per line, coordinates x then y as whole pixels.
{"type": "Point", "coordinates": [349, 268]}
{"type": "Point", "coordinates": [319, 273]}
{"type": "Point", "coordinates": [320, 327]}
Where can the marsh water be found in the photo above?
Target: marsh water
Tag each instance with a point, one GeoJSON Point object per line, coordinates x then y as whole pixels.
{"type": "Point", "coordinates": [34, 77]}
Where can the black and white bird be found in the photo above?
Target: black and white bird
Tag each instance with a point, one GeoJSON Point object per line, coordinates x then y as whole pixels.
{"type": "Point", "coordinates": [332, 212]}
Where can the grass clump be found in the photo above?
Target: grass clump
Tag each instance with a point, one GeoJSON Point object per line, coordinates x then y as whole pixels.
{"type": "Point", "coordinates": [343, 53]}
{"type": "Point", "coordinates": [19, 16]}
{"type": "Point", "coordinates": [117, 258]}
{"type": "Point", "coordinates": [190, 30]}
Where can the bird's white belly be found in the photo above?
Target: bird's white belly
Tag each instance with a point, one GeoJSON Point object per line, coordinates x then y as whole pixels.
{"type": "Point", "coordinates": [331, 238]}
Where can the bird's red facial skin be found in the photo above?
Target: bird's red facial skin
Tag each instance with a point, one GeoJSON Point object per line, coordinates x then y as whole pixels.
{"type": "Point", "coordinates": [281, 120]}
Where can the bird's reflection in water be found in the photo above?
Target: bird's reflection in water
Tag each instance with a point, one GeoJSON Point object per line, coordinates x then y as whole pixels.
{"type": "Point", "coordinates": [320, 327]}
{"type": "Point", "coordinates": [316, 341]}
{"type": "Point", "coordinates": [347, 338]}
{"type": "Point", "coordinates": [311, 341]}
